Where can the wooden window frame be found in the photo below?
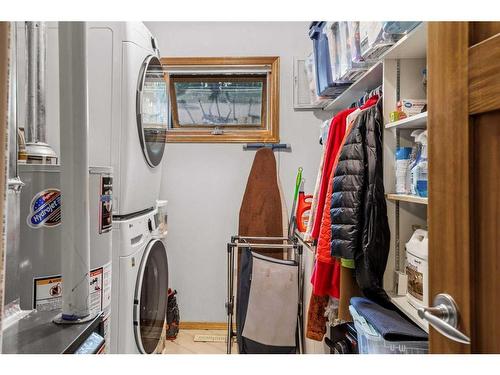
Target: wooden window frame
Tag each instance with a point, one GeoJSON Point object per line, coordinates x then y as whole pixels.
{"type": "Point", "coordinates": [231, 133]}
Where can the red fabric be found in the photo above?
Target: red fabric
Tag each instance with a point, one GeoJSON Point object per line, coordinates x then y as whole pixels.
{"type": "Point", "coordinates": [335, 135]}
{"type": "Point", "coordinates": [326, 275]}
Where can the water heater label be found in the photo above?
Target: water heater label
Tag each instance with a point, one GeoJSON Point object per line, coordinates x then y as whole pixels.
{"type": "Point", "coordinates": [47, 294]}
{"type": "Point", "coordinates": [45, 209]}
{"type": "Point", "coordinates": [105, 205]}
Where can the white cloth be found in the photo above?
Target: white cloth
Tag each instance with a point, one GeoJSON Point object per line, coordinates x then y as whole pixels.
{"type": "Point", "coordinates": [272, 304]}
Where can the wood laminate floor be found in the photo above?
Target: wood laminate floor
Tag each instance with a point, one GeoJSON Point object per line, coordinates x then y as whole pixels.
{"type": "Point", "coordinates": [185, 344]}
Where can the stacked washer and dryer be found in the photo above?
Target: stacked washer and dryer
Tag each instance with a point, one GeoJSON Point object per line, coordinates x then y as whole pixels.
{"type": "Point", "coordinates": [128, 108]}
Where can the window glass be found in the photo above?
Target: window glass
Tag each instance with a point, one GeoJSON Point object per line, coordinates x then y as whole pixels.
{"type": "Point", "coordinates": [220, 101]}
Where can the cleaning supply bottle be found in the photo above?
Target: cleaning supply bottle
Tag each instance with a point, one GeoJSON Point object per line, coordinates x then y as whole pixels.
{"type": "Point", "coordinates": [421, 171]}
{"type": "Point", "coordinates": [415, 153]}
{"type": "Point", "coordinates": [402, 162]}
{"type": "Point", "coordinates": [303, 209]}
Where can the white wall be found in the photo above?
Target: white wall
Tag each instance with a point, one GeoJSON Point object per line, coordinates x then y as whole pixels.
{"type": "Point", "coordinates": [204, 183]}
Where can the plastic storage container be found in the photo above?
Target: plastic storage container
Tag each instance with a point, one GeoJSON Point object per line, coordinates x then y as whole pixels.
{"type": "Point", "coordinates": [325, 83]}
{"type": "Point", "coordinates": [417, 269]}
{"type": "Point", "coordinates": [345, 53]}
{"type": "Point", "coordinates": [373, 41]}
{"type": "Point", "coordinates": [161, 218]}
{"type": "Point", "coordinates": [371, 342]}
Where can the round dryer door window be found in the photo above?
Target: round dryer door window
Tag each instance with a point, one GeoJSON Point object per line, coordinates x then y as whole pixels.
{"type": "Point", "coordinates": [150, 304]}
{"type": "Point", "coordinates": [152, 110]}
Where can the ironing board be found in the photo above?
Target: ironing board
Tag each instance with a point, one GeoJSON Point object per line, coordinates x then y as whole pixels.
{"type": "Point", "coordinates": [262, 212]}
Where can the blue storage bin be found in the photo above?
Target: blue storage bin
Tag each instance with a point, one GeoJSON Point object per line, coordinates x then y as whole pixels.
{"type": "Point", "coordinates": [325, 83]}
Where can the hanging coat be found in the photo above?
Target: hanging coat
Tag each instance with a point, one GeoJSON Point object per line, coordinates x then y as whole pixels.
{"type": "Point", "coordinates": [360, 230]}
{"type": "Point", "coordinates": [326, 276]}
{"type": "Point", "coordinates": [335, 135]}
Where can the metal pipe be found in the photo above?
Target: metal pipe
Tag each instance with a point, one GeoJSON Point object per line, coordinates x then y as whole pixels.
{"type": "Point", "coordinates": [37, 149]}
{"type": "Point", "coordinates": [263, 238]}
{"type": "Point", "coordinates": [32, 40]}
{"type": "Point", "coordinates": [36, 45]}
{"type": "Point", "coordinates": [75, 254]}
{"type": "Point", "coordinates": [41, 87]}
{"type": "Point", "coordinates": [263, 246]}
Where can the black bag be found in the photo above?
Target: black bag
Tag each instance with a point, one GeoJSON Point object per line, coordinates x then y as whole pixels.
{"type": "Point", "coordinates": [173, 316]}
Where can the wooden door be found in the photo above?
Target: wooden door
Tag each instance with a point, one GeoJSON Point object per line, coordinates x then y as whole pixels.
{"type": "Point", "coordinates": [464, 179]}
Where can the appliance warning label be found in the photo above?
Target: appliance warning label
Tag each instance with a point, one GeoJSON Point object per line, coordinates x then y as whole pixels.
{"type": "Point", "coordinates": [95, 290]}
{"type": "Point", "coordinates": [106, 288]}
{"type": "Point", "coordinates": [47, 293]}
{"type": "Point", "coordinates": [105, 205]}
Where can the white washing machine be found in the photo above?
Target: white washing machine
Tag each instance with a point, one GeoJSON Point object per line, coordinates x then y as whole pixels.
{"type": "Point", "coordinates": [128, 109]}
{"type": "Point", "coordinates": [140, 285]}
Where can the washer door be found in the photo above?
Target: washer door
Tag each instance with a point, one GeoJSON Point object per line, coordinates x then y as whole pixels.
{"type": "Point", "coordinates": [150, 301]}
{"type": "Point", "coordinates": [152, 110]}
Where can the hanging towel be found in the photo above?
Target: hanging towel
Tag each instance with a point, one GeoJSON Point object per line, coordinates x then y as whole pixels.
{"type": "Point", "coordinates": [316, 320]}
{"type": "Point", "coordinates": [390, 325]}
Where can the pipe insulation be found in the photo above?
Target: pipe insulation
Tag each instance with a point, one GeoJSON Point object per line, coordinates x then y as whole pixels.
{"type": "Point", "coordinates": [75, 254]}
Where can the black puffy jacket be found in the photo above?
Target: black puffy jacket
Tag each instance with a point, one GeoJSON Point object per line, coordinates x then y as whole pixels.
{"type": "Point", "coordinates": [360, 229]}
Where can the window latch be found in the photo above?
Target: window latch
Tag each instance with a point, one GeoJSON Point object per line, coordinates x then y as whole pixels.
{"type": "Point", "coordinates": [217, 131]}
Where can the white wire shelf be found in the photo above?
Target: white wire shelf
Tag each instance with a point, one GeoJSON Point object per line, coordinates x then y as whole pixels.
{"type": "Point", "coordinates": [414, 122]}
{"type": "Point", "coordinates": [411, 312]}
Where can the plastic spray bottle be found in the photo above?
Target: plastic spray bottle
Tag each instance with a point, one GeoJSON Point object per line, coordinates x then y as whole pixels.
{"type": "Point", "coordinates": [415, 153]}
{"type": "Point", "coordinates": [421, 172]}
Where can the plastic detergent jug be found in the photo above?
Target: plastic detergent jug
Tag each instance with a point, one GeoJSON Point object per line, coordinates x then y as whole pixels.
{"type": "Point", "coordinates": [421, 168]}
{"type": "Point", "coordinates": [417, 269]}
{"type": "Point", "coordinates": [303, 209]}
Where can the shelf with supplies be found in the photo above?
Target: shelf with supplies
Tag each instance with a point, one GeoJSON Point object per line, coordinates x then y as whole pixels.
{"type": "Point", "coordinates": [411, 46]}
{"type": "Point", "coordinates": [413, 122]}
{"type": "Point", "coordinates": [407, 198]}
{"type": "Point", "coordinates": [410, 311]}
{"type": "Point", "coordinates": [367, 82]}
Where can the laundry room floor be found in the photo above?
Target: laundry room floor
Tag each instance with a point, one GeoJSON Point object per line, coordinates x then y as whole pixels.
{"type": "Point", "coordinates": [185, 344]}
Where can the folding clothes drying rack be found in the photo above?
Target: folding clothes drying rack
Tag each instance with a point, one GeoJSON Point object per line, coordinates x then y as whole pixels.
{"type": "Point", "coordinates": [244, 242]}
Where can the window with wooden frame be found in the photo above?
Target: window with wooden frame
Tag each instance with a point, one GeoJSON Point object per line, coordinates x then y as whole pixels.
{"type": "Point", "coordinates": [229, 99]}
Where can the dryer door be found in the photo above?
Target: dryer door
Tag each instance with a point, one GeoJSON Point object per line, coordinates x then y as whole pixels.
{"type": "Point", "coordinates": [152, 110]}
{"type": "Point", "coordinates": [150, 301]}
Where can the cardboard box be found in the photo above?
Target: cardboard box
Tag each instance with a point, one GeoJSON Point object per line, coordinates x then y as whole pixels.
{"type": "Point", "coordinates": [411, 107]}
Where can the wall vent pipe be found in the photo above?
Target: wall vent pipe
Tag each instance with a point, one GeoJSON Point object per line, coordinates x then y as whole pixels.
{"type": "Point", "coordinates": [75, 241]}
{"type": "Point", "coordinates": [36, 128]}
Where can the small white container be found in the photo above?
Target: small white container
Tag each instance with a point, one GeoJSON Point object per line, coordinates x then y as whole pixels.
{"type": "Point", "coordinates": [417, 269]}
{"type": "Point", "coordinates": [161, 218]}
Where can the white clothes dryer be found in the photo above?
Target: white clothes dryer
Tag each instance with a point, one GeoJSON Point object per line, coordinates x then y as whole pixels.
{"type": "Point", "coordinates": [128, 110]}
{"type": "Point", "coordinates": [140, 285]}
